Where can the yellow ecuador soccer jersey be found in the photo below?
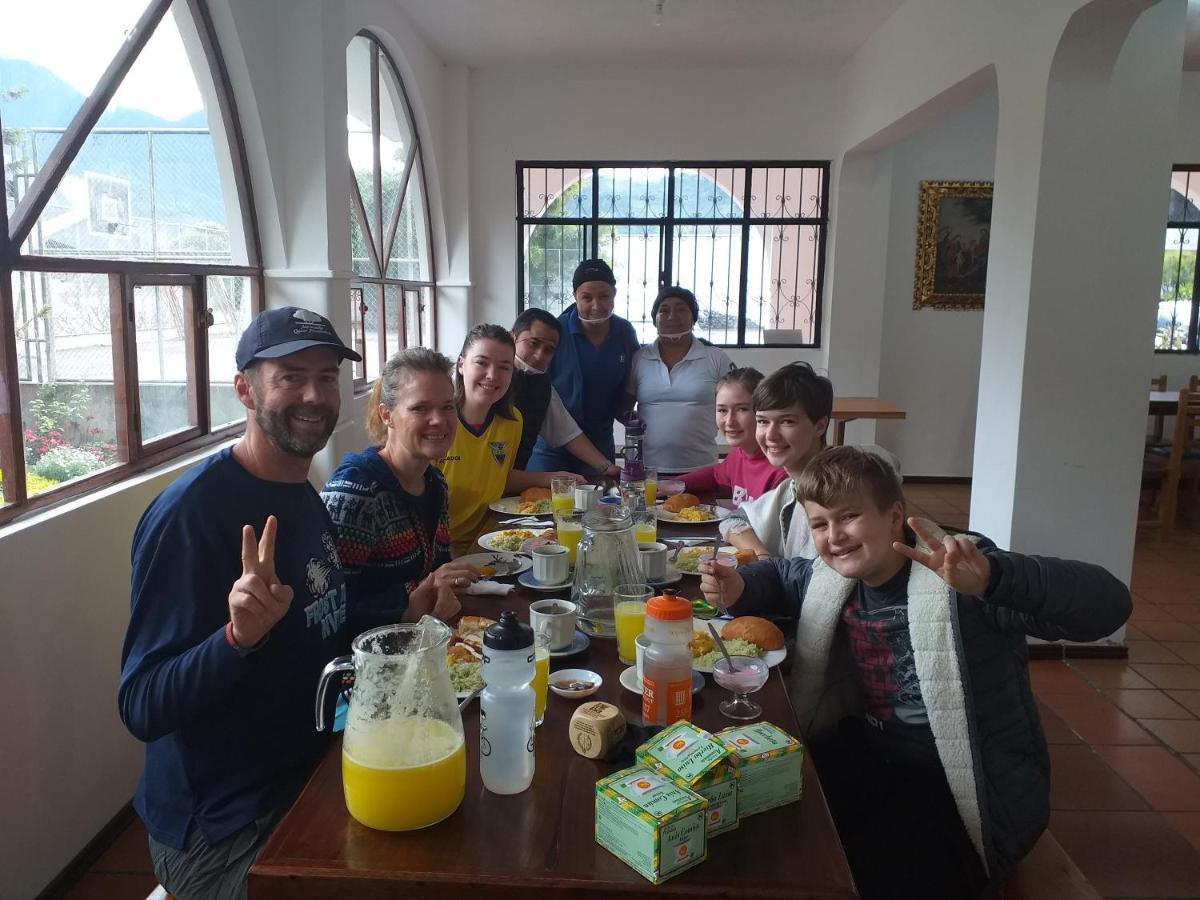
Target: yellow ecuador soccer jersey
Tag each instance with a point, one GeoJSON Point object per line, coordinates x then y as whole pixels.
{"type": "Point", "coordinates": [476, 468]}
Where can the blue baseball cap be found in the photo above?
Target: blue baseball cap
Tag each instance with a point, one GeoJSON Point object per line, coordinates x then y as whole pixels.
{"type": "Point", "coordinates": [287, 330]}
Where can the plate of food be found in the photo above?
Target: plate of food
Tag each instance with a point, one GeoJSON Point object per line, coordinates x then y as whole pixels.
{"type": "Point", "coordinates": [743, 636]}
{"type": "Point", "coordinates": [499, 564]}
{"type": "Point", "coordinates": [687, 509]}
{"type": "Point", "coordinates": [534, 501]}
{"type": "Point", "coordinates": [510, 539]}
{"type": "Point", "coordinates": [464, 655]}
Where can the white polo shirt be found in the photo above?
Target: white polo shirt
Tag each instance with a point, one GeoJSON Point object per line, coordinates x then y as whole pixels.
{"type": "Point", "coordinates": [679, 407]}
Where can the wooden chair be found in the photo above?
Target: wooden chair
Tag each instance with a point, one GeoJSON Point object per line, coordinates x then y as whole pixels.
{"type": "Point", "coordinates": [1193, 384]}
{"type": "Point", "coordinates": [1165, 467]}
{"type": "Point", "coordinates": [1156, 431]}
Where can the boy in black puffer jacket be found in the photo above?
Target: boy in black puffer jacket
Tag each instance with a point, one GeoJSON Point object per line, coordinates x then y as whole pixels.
{"type": "Point", "coordinates": [911, 677]}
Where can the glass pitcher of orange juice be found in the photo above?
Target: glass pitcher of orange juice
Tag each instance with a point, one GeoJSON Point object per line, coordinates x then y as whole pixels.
{"type": "Point", "coordinates": [404, 763]}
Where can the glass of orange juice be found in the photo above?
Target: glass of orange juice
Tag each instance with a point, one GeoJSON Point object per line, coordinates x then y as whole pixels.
{"type": "Point", "coordinates": [562, 495]}
{"type": "Point", "coordinates": [629, 614]}
{"type": "Point", "coordinates": [570, 530]}
{"type": "Point", "coordinates": [541, 675]}
{"type": "Point", "coordinates": [651, 486]}
{"type": "Point", "coordinates": [645, 526]}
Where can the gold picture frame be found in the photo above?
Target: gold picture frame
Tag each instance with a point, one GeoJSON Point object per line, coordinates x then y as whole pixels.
{"type": "Point", "coordinates": [953, 232]}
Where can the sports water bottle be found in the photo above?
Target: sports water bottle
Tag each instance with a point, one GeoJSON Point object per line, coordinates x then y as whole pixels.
{"type": "Point", "coordinates": [506, 719]}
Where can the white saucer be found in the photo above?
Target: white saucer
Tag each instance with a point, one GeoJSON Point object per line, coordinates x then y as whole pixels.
{"type": "Point", "coordinates": [527, 580]}
{"type": "Point", "coordinates": [673, 575]}
{"type": "Point", "coordinates": [629, 680]}
{"type": "Point", "coordinates": [579, 643]}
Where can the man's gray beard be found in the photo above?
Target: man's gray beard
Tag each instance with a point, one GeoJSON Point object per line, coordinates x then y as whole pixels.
{"type": "Point", "coordinates": [276, 426]}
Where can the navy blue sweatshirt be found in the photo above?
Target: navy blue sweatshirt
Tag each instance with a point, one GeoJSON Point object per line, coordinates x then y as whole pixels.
{"type": "Point", "coordinates": [225, 733]}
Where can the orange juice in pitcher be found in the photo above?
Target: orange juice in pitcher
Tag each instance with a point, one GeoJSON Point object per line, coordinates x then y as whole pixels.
{"type": "Point", "coordinates": [410, 773]}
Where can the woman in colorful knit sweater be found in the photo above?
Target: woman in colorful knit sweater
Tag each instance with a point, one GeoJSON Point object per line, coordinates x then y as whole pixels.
{"type": "Point", "coordinates": [390, 507]}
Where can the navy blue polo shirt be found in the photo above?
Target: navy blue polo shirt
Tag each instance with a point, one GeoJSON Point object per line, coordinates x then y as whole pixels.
{"type": "Point", "coordinates": [604, 377]}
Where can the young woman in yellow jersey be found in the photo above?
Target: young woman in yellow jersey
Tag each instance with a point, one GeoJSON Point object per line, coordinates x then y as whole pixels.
{"type": "Point", "coordinates": [479, 466]}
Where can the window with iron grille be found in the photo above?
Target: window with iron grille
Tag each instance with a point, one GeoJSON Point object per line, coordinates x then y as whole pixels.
{"type": "Point", "coordinates": [748, 238]}
{"type": "Point", "coordinates": [1179, 293]}
{"type": "Point", "coordinates": [392, 293]}
{"type": "Point", "coordinates": [129, 256]}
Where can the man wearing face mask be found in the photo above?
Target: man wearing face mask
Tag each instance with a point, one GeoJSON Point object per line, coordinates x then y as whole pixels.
{"type": "Point", "coordinates": [674, 380]}
{"type": "Point", "coordinates": [537, 335]}
{"type": "Point", "coordinates": [590, 369]}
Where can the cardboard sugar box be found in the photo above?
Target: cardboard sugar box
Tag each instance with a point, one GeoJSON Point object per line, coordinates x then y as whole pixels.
{"type": "Point", "coordinates": [769, 763]}
{"type": "Point", "coordinates": [702, 762]}
{"type": "Point", "coordinates": [651, 822]}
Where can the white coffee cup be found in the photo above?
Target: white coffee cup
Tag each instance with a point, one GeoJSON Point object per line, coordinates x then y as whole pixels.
{"type": "Point", "coordinates": [653, 558]}
{"type": "Point", "coordinates": [586, 496]}
{"type": "Point", "coordinates": [550, 564]}
{"type": "Point", "coordinates": [639, 652]}
{"type": "Point", "coordinates": [555, 619]}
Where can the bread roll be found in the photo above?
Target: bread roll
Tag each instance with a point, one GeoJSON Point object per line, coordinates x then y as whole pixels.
{"type": "Point", "coordinates": [745, 557]}
{"type": "Point", "coordinates": [680, 501]}
{"type": "Point", "coordinates": [534, 494]}
{"type": "Point", "coordinates": [756, 630]}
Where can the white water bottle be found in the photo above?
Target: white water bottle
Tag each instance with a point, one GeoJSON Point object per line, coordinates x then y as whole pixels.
{"type": "Point", "coordinates": [506, 720]}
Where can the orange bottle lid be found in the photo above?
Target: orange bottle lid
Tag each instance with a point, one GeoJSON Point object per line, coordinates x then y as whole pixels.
{"type": "Point", "coordinates": [668, 607]}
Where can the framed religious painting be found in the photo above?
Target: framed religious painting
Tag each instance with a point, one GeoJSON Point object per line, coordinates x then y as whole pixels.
{"type": "Point", "coordinates": [953, 229]}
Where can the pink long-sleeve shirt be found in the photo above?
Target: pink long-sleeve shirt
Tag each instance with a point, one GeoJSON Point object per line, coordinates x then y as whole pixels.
{"type": "Point", "coordinates": [746, 477]}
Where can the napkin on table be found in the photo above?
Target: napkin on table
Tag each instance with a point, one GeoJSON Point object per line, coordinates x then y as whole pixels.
{"type": "Point", "coordinates": [488, 587]}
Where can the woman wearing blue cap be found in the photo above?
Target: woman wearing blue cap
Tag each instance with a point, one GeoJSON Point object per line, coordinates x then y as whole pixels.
{"type": "Point", "coordinates": [597, 343]}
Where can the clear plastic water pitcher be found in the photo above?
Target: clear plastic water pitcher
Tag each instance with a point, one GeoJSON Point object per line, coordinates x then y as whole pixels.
{"type": "Point", "coordinates": [607, 557]}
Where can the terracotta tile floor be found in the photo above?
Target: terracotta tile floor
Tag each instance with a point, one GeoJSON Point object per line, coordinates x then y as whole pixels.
{"type": "Point", "coordinates": [1124, 737]}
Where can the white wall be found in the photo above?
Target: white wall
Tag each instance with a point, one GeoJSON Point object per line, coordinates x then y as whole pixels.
{"type": "Point", "coordinates": [930, 357]}
{"type": "Point", "coordinates": [616, 113]}
{"type": "Point", "coordinates": [69, 765]}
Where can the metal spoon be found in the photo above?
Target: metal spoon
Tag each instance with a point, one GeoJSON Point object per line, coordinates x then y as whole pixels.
{"type": "Point", "coordinates": [462, 704]}
{"type": "Point", "coordinates": [721, 644]}
{"type": "Point", "coordinates": [574, 685]}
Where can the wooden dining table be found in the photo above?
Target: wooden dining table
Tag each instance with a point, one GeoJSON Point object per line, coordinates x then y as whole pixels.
{"type": "Point", "coordinates": [848, 409]}
{"type": "Point", "coordinates": [541, 843]}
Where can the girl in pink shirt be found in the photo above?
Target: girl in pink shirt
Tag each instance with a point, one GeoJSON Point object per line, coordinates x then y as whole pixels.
{"type": "Point", "coordinates": [744, 473]}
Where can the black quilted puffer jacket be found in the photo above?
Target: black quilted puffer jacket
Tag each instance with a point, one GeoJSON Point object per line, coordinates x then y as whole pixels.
{"type": "Point", "coordinates": [1047, 598]}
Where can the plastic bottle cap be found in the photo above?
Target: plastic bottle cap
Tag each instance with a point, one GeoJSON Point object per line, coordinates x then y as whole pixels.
{"type": "Point", "coordinates": [668, 607]}
{"type": "Point", "coordinates": [508, 634]}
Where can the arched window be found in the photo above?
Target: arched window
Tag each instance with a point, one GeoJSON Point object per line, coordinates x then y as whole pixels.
{"type": "Point", "coordinates": [129, 257]}
{"type": "Point", "coordinates": [392, 294]}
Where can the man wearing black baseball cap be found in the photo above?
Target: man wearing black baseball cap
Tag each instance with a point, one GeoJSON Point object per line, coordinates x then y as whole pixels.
{"type": "Point", "coordinates": [600, 344]}
{"type": "Point", "coordinates": [230, 627]}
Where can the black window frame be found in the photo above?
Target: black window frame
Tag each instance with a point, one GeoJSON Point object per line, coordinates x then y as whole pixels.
{"type": "Point", "coordinates": [1192, 342]}
{"type": "Point", "coordinates": [670, 221]}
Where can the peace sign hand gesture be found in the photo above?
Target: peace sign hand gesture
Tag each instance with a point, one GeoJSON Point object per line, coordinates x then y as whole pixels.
{"type": "Point", "coordinates": [257, 600]}
{"type": "Point", "coordinates": [957, 561]}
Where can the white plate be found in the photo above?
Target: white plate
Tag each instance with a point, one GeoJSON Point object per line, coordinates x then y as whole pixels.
{"type": "Point", "coordinates": [506, 563]}
{"type": "Point", "coordinates": [718, 513]}
{"type": "Point", "coordinates": [579, 643]}
{"type": "Point", "coordinates": [526, 580]}
{"type": "Point", "coordinates": [488, 541]}
{"type": "Point", "coordinates": [629, 680]}
{"type": "Point", "coordinates": [771, 657]}
{"type": "Point", "coordinates": [509, 506]}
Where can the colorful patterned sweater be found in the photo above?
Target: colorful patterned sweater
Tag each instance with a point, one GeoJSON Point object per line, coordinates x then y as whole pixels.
{"type": "Point", "coordinates": [385, 547]}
